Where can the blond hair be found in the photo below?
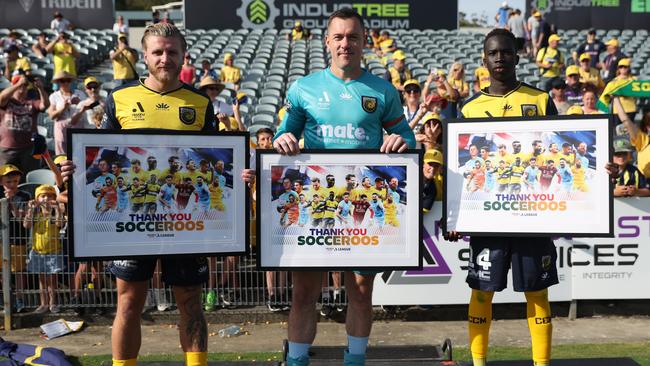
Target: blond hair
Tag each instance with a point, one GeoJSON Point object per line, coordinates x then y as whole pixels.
{"type": "Point", "coordinates": [163, 30]}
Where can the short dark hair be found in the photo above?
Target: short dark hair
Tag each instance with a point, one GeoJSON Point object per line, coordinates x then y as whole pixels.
{"type": "Point", "coordinates": [264, 130]}
{"type": "Point", "coordinates": [345, 13]}
{"type": "Point", "coordinates": [500, 32]}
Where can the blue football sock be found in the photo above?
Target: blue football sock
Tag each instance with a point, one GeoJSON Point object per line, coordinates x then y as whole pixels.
{"type": "Point", "coordinates": [297, 350]}
{"type": "Point", "coordinates": [357, 345]}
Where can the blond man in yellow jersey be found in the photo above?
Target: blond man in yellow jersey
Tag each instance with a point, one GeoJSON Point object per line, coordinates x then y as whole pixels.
{"type": "Point", "coordinates": [133, 106]}
{"type": "Point", "coordinates": [532, 259]}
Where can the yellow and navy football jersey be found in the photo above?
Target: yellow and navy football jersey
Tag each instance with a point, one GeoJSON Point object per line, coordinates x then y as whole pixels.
{"type": "Point", "coordinates": [523, 101]}
{"type": "Point", "coordinates": [133, 105]}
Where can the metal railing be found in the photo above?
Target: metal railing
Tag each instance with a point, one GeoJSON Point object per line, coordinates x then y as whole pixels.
{"type": "Point", "coordinates": [88, 286]}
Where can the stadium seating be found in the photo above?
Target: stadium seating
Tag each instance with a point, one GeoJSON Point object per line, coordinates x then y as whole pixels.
{"type": "Point", "coordinates": [270, 63]}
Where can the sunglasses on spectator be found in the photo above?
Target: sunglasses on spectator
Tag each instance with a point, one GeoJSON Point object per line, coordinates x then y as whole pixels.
{"type": "Point", "coordinates": [585, 60]}
{"type": "Point", "coordinates": [211, 88]}
{"type": "Point", "coordinates": [574, 75]}
{"type": "Point", "coordinates": [92, 86]}
{"type": "Point", "coordinates": [412, 90]}
{"type": "Point", "coordinates": [64, 81]}
{"type": "Point", "coordinates": [623, 67]}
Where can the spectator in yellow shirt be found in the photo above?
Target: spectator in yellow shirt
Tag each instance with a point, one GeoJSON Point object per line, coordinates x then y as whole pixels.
{"type": "Point", "coordinates": [124, 59]}
{"type": "Point", "coordinates": [230, 73]}
{"type": "Point", "coordinates": [639, 137]}
{"type": "Point", "coordinates": [481, 76]}
{"type": "Point", "coordinates": [590, 75]}
{"type": "Point", "coordinates": [65, 54]}
{"type": "Point", "coordinates": [298, 32]}
{"type": "Point", "coordinates": [628, 104]}
{"type": "Point", "coordinates": [386, 44]}
{"type": "Point", "coordinates": [14, 62]}
{"type": "Point", "coordinates": [398, 73]}
{"type": "Point", "coordinates": [550, 60]}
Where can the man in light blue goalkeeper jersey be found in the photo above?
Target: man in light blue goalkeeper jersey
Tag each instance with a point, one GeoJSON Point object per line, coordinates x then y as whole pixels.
{"type": "Point", "coordinates": [343, 106]}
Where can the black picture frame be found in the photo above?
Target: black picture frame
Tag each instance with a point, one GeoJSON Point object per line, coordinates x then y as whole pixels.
{"type": "Point", "coordinates": [242, 146]}
{"type": "Point", "coordinates": [510, 121]}
{"type": "Point", "coordinates": [333, 267]}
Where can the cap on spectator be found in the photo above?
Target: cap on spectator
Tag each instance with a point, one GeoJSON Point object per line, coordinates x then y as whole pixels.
{"type": "Point", "coordinates": [431, 117]}
{"type": "Point", "coordinates": [591, 31]}
{"type": "Point", "coordinates": [537, 14]}
{"type": "Point", "coordinates": [90, 80]}
{"type": "Point", "coordinates": [575, 109]}
{"type": "Point", "coordinates": [585, 56]}
{"type": "Point", "coordinates": [122, 36]}
{"type": "Point", "coordinates": [45, 189]}
{"type": "Point", "coordinates": [572, 70]}
{"type": "Point", "coordinates": [624, 62]}
{"type": "Point", "coordinates": [435, 98]}
{"type": "Point", "coordinates": [612, 42]}
{"type": "Point", "coordinates": [622, 145]}
{"type": "Point", "coordinates": [59, 158]}
{"type": "Point", "coordinates": [227, 56]}
{"type": "Point", "coordinates": [399, 55]}
{"type": "Point", "coordinates": [433, 156]}
{"type": "Point", "coordinates": [8, 168]}
{"type": "Point", "coordinates": [207, 81]}
{"type": "Point", "coordinates": [62, 75]}
{"type": "Point", "coordinates": [621, 130]}
{"type": "Point", "coordinates": [554, 37]}
{"type": "Point", "coordinates": [411, 82]}
{"type": "Point", "coordinates": [297, 23]}
{"type": "Point", "coordinates": [58, 14]}
{"type": "Point", "coordinates": [13, 32]}
{"type": "Point", "coordinates": [558, 84]}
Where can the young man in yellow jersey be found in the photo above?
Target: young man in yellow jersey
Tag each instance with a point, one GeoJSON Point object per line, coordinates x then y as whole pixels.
{"type": "Point", "coordinates": [532, 259]}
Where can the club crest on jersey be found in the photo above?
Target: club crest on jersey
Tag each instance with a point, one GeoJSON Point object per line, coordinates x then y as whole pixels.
{"type": "Point", "coordinates": [187, 115]}
{"type": "Point", "coordinates": [529, 110]}
{"type": "Point", "coordinates": [369, 104]}
{"type": "Point", "coordinates": [546, 262]}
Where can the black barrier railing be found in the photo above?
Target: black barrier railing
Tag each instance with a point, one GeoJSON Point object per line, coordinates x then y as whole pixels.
{"type": "Point", "coordinates": [30, 278]}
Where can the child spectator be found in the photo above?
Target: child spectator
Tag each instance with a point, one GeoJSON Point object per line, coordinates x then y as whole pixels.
{"type": "Point", "coordinates": [10, 176]}
{"type": "Point", "coordinates": [432, 172]}
{"type": "Point", "coordinates": [45, 217]}
{"type": "Point", "coordinates": [630, 182]}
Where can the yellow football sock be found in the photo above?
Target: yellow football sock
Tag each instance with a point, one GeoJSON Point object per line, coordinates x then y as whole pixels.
{"type": "Point", "coordinates": [479, 319]}
{"type": "Point", "coordinates": [196, 358]}
{"type": "Point", "coordinates": [538, 311]}
{"type": "Point", "coordinates": [129, 362]}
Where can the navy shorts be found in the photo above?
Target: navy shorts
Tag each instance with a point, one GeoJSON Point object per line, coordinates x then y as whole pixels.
{"type": "Point", "coordinates": [176, 271]}
{"type": "Point", "coordinates": [533, 262]}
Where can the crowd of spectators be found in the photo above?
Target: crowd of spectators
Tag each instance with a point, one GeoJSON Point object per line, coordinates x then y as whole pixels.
{"type": "Point", "coordinates": [576, 83]}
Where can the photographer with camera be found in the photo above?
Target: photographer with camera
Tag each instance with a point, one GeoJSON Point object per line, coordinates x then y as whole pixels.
{"type": "Point", "coordinates": [123, 58]}
{"type": "Point", "coordinates": [65, 54]}
{"type": "Point", "coordinates": [65, 109]}
{"type": "Point", "coordinates": [14, 63]}
{"type": "Point", "coordinates": [18, 116]}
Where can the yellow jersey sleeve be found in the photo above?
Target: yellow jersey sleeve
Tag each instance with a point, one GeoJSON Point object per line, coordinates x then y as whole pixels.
{"type": "Point", "coordinates": [523, 101]}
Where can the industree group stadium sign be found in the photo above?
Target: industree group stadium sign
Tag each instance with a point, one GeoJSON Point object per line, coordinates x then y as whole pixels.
{"type": "Point", "coordinates": [282, 14]}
